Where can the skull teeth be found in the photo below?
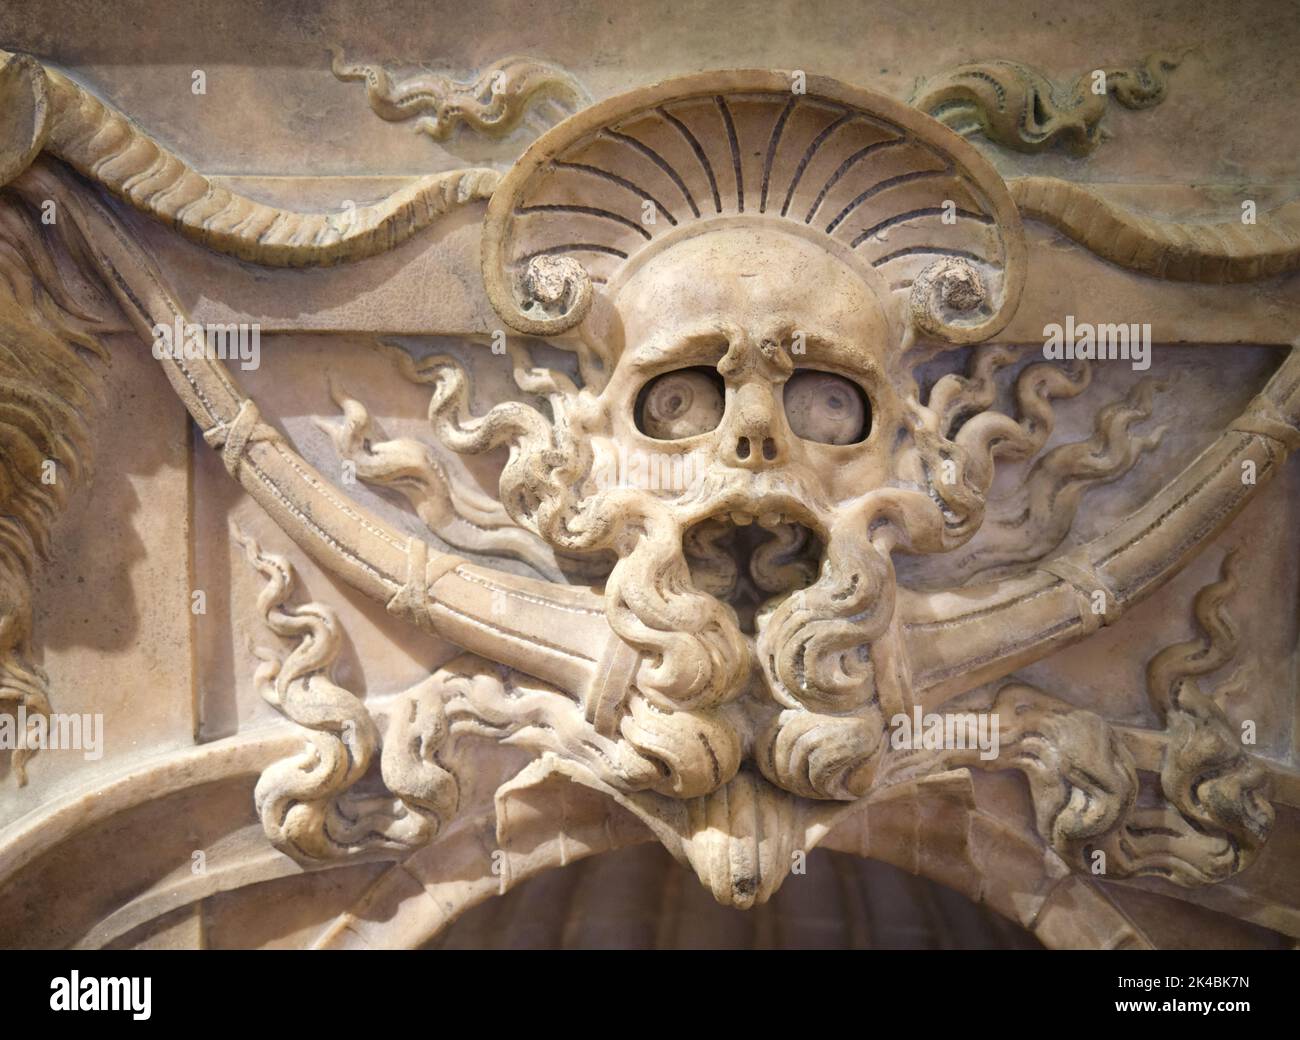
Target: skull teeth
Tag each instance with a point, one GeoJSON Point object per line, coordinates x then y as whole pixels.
{"type": "Point", "coordinates": [770, 519]}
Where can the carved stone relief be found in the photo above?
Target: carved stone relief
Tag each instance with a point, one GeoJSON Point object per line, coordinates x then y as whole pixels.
{"type": "Point", "coordinates": [729, 467]}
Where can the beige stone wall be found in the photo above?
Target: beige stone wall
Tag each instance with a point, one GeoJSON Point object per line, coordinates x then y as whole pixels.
{"type": "Point", "coordinates": [159, 842]}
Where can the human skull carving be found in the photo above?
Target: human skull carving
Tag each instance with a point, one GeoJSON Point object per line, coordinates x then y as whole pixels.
{"type": "Point", "coordinates": [748, 441]}
{"type": "Point", "coordinates": [733, 303]}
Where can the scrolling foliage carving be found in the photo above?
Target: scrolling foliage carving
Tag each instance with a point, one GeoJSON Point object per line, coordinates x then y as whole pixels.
{"type": "Point", "coordinates": [1016, 106]}
{"type": "Point", "coordinates": [494, 103]}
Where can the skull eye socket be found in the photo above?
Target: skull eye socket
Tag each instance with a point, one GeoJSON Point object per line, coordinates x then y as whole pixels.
{"type": "Point", "coordinates": [826, 408]}
{"type": "Point", "coordinates": [680, 404]}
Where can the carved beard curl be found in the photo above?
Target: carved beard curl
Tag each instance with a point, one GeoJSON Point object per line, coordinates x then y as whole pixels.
{"type": "Point", "coordinates": [694, 661]}
{"type": "Point", "coordinates": [694, 653]}
{"type": "Point", "coordinates": [818, 656]}
{"type": "Point", "coordinates": [822, 650]}
{"type": "Point", "coordinates": [694, 656]}
{"type": "Point", "coordinates": [815, 646]}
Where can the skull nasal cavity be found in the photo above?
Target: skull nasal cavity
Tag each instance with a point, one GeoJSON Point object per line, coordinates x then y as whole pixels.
{"type": "Point", "coordinates": [745, 447]}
